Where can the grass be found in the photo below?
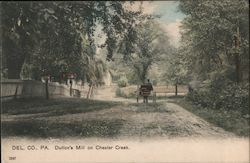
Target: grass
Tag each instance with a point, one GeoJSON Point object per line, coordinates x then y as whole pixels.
{"type": "Point", "coordinates": [40, 127]}
{"type": "Point", "coordinates": [232, 121]}
{"type": "Point", "coordinates": [44, 129]}
{"type": "Point", "coordinates": [32, 127]}
{"type": "Point", "coordinates": [149, 107]}
{"type": "Point", "coordinates": [151, 126]}
{"type": "Point", "coordinates": [53, 106]}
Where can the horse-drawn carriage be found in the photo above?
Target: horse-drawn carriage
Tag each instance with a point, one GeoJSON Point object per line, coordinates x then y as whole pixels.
{"type": "Point", "coordinates": [145, 91]}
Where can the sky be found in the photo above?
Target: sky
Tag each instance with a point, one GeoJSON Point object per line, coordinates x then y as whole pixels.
{"type": "Point", "coordinates": [170, 19]}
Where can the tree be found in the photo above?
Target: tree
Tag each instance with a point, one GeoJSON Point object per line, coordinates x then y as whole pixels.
{"type": "Point", "coordinates": [55, 32]}
{"type": "Point", "coordinates": [19, 34]}
{"type": "Point", "coordinates": [218, 66]}
{"type": "Point", "coordinates": [150, 45]}
{"type": "Point", "coordinates": [175, 71]}
{"type": "Point", "coordinates": [207, 37]}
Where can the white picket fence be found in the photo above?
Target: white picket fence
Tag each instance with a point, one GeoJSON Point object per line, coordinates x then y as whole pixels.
{"type": "Point", "coordinates": [11, 88]}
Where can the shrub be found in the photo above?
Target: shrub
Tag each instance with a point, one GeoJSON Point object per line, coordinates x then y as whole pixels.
{"type": "Point", "coordinates": [132, 95]}
{"type": "Point", "coordinates": [122, 82]}
{"type": "Point", "coordinates": [224, 95]}
{"type": "Point", "coordinates": [154, 82]}
{"type": "Point", "coordinates": [120, 93]}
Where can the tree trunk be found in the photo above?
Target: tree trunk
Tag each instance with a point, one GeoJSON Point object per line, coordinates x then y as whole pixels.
{"type": "Point", "coordinates": [14, 65]}
{"type": "Point", "coordinates": [15, 57]}
{"type": "Point", "coordinates": [89, 92]}
{"type": "Point", "coordinates": [237, 68]}
{"type": "Point", "coordinates": [92, 91]}
{"type": "Point", "coordinates": [70, 89]}
{"type": "Point", "coordinates": [237, 57]}
{"type": "Point", "coordinates": [15, 96]}
{"type": "Point", "coordinates": [176, 89]}
{"type": "Point", "coordinates": [14, 72]}
{"type": "Point", "coordinates": [137, 93]}
{"type": "Point", "coordinates": [47, 89]}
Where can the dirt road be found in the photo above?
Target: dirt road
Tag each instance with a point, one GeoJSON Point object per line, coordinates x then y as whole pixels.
{"type": "Point", "coordinates": [107, 93]}
{"type": "Point", "coordinates": [127, 119]}
{"type": "Point", "coordinates": [166, 119]}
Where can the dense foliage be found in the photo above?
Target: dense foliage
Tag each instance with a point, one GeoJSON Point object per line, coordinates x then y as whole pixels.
{"type": "Point", "coordinates": [207, 37]}
{"type": "Point", "coordinates": [217, 66]}
{"type": "Point", "coordinates": [58, 37]}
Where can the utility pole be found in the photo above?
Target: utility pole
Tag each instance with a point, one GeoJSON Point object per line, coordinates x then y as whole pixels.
{"type": "Point", "coordinates": [237, 55]}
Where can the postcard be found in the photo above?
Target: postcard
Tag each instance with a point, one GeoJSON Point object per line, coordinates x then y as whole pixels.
{"type": "Point", "coordinates": [125, 81]}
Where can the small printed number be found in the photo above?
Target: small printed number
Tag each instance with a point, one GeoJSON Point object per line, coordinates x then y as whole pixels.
{"type": "Point", "coordinates": [12, 158]}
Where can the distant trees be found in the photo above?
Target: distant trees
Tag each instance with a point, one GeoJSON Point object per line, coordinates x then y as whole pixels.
{"type": "Point", "coordinates": [174, 68]}
{"type": "Point", "coordinates": [150, 45]}
{"type": "Point", "coordinates": [57, 37]}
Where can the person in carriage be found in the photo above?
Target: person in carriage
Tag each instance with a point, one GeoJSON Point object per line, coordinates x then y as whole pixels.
{"type": "Point", "coordinates": [145, 90]}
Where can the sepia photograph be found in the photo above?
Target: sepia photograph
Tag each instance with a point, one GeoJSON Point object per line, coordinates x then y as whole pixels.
{"type": "Point", "coordinates": [125, 81]}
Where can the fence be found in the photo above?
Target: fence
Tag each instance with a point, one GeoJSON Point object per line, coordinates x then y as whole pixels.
{"type": "Point", "coordinates": [28, 88]}
{"type": "Point", "coordinates": [160, 90]}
